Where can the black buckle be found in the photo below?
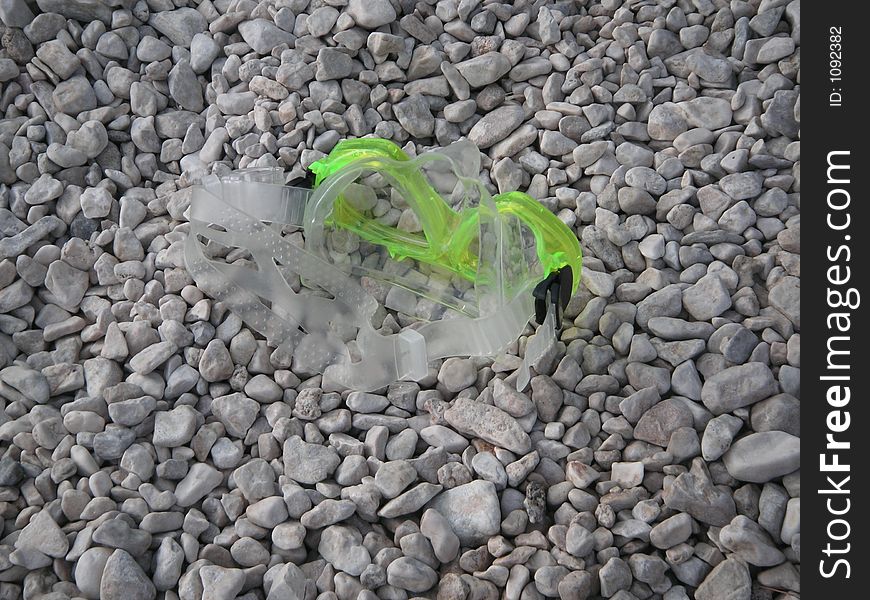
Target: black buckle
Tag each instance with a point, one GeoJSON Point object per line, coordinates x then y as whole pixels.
{"type": "Point", "coordinates": [555, 289]}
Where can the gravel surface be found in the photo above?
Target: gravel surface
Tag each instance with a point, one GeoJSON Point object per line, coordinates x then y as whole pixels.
{"type": "Point", "coordinates": [152, 446]}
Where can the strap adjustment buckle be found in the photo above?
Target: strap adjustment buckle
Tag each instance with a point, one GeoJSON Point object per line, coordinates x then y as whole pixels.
{"type": "Point", "coordinates": [555, 290]}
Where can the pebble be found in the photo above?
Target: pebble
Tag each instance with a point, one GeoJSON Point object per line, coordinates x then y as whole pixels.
{"type": "Point", "coordinates": [661, 420]}
{"type": "Point", "coordinates": [96, 203]}
{"type": "Point", "coordinates": [89, 570]}
{"type": "Point", "coordinates": [729, 580]}
{"type": "Point", "coordinates": [342, 548]}
{"type": "Point", "coordinates": [410, 501]}
{"type": "Point", "coordinates": [659, 439]}
{"type": "Point", "coordinates": [672, 531]}
{"type": "Point", "coordinates": [308, 463]}
{"type": "Point", "coordinates": [718, 435]}
{"type": "Point", "coordinates": [75, 95]}
{"type": "Point", "coordinates": [179, 25]}
{"type": "Point", "coordinates": [748, 541]}
{"type": "Point", "coordinates": [471, 510]}
{"type": "Point", "coordinates": [410, 574]}
{"type": "Point", "coordinates": [488, 423]}
{"type": "Point", "coordinates": [263, 35]}
{"type": "Point", "coordinates": [393, 477]}
{"type": "Point", "coordinates": [267, 512]}
{"type": "Point", "coordinates": [761, 457]}
{"type": "Point", "coordinates": [579, 541]}
{"type": "Point", "coordinates": [203, 51]}
{"type": "Point", "coordinates": [666, 122]}
{"type": "Point", "coordinates": [496, 125]}
{"type": "Point", "coordinates": [457, 374]}
{"type": "Point", "coordinates": [122, 577]}
{"type": "Point", "coordinates": [67, 284]}
{"type": "Point", "coordinates": [215, 364]}
{"type": "Point", "coordinates": [199, 481]}
{"type": "Point", "coordinates": [32, 384]}
{"type": "Point", "coordinates": [694, 493]}
{"type": "Point", "coordinates": [415, 116]}
{"type": "Point", "coordinates": [778, 413]}
{"type": "Point", "coordinates": [220, 583]}
{"type": "Point", "coordinates": [371, 13]}
{"type": "Point", "coordinates": [42, 534]}
{"type": "Point", "coordinates": [237, 413]}
{"type": "Point", "coordinates": [175, 427]}
{"type": "Point", "coordinates": [707, 298]}
{"type": "Point", "coordinates": [738, 386]}
{"type": "Point", "coordinates": [152, 357]}
{"type": "Point", "coordinates": [741, 186]}
{"type": "Point", "coordinates": [328, 512]}
{"type": "Point", "coordinates": [445, 543]}
{"type": "Point", "coordinates": [485, 69]}
{"type": "Point", "coordinates": [333, 64]}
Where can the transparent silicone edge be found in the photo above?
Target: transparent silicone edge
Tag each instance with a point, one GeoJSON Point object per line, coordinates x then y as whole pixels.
{"type": "Point", "coordinates": [384, 358]}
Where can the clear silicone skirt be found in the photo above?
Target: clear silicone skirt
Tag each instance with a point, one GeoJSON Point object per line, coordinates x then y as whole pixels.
{"type": "Point", "coordinates": [389, 263]}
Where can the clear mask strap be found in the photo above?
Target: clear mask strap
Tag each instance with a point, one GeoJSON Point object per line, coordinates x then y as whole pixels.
{"type": "Point", "coordinates": [537, 346]}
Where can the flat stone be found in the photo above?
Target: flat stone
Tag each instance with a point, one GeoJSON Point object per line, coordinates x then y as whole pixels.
{"type": "Point", "coordinates": [410, 501]}
{"type": "Point", "coordinates": [200, 480]}
{"type": "Point", "coordinates": [762, 457]}
{"type": "Point", "coordinates": [488, 423]}
{"type": "Point", "coordinates": [221, 583]}
{"type": "Point", "coordinates": [707, 112]}
{"type": "Point", "coordinates": [482, 70]}
{"type": "Point", "coordinates": [410, 574]}
{"type": "Point", "coordinates": [179, 25]}
{"type": "Point", "coordinates": [741, 186]}
{"type": "Point", "coordinates": [729, 580]}
{"type": "Point", "coordinates": [738, 386]}
{"type": "Point", "coordinates": [785, 297]}
{"type": "Point", "coordinates": [371, 14]}
{"type": "Point", "coordinates": [263, 36]}
{"type": "Point", "coordinates": [496, 125]}
{"type": "Point", "coordinates": [660, 421]}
